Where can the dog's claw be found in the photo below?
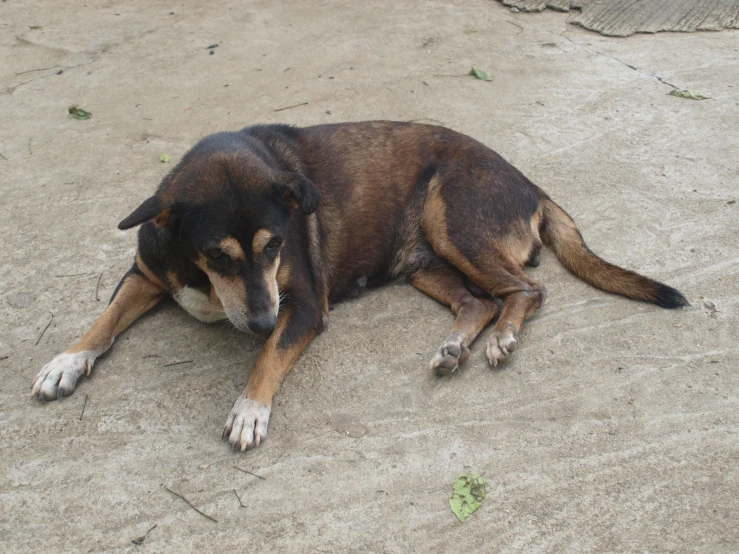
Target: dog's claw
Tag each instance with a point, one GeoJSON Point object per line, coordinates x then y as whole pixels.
{"type": "Point", "coordinates": [449, 356]}
{"type": "Point", "coordinates": [246, 424]}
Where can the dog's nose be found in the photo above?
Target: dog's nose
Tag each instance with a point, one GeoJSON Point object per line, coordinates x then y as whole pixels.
{"type": "Point", "coordinates": [264, 323]}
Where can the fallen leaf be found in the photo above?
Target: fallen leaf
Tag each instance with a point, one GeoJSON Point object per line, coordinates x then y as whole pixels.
{"type": "Point", "coordinates": [690, 94]}
{"type": "Point", "coordinates": [164, 158]}
{"type": "Point", "coordinates": [480, 74]}
{"type": "Point", "coordinates": [469, 492]}
{"type": "Point", "coordinates": [469, 31]}
{"type": "Point", "coordinates": [79, 113]}
{"type": "Point", "coordinates": [34, 27]}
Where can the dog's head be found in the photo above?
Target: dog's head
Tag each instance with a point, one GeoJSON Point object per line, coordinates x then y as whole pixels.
{"type": "Point", "coordinates": [228, 208]}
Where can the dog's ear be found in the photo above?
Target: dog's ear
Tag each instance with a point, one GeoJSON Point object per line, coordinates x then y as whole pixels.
{"type": "Point", "coordinates": [297, 191]}
{"type": "Point", "coordinates": [152, 209]}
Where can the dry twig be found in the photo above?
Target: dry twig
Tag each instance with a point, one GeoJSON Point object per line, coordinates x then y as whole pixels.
{"type": "Point", "coordinates": [178, 363]}
{"type": "Point", "coordinates": [250, 473]}
{"type": "Point", "coordinates": [239, 499]}
{"type": "Point", "coordinates": [97, 288]}
{"type": "Point", "coordinates": [45, 328]}
{"type": "Point", "coordinates": [142, 538]}
{"type": "Point", "coordinates": [84, 405]}
{"type": "Point", "coordinates": [290, 107]}
{"type": "Point", "coordinates": [190, 504]}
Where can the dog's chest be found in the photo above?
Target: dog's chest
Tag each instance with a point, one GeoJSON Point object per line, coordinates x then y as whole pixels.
{"type": "Point", "coordinates": [199, 305]}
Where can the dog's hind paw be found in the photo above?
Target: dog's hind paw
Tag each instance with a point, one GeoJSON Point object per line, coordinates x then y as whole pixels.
{"type": "Point", "coordinates": [502, 343]}
{"type": "Point", "coordinates": [59, 377]}
{"type": "Point", "coordinates": [246, 424]}
{"type": "Point", "coordinates": [450, 354]}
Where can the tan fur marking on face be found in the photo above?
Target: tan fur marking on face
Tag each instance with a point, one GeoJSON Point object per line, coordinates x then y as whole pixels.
{"type": "Point", "coordinates": [283, 275]}
{"type": "Point", "coordinates": [232, 248]}
{"type": "Point", "coordinates": [270, 279]}
{"type": "Point", "coordinates": [231, 292]}
{"type": "Point", "coordinates": [261, 238]}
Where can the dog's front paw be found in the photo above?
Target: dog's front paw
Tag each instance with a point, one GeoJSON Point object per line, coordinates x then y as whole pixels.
{"type": "Point", "coordinates": [502, 343]}
{"type": "Point", "coordinates": [246, 425]}
{"type": "Point", "coordinates": [450, 354]}
{"type": "Point", "coordinates": [59, 377]}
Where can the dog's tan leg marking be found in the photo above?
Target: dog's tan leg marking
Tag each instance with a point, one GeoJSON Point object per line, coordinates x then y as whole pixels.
{"type": "Point", "coordinates": [446, 285]}
{"type": "Point", "coordinates": [246, 424]}
{"type": "Point", "coordinates": [136, 295]}
{"type": "Point", "coordinates": [492, 272]}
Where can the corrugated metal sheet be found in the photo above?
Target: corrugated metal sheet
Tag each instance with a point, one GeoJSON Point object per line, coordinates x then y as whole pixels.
{"type": "Point", "coordinates": [621, 18]}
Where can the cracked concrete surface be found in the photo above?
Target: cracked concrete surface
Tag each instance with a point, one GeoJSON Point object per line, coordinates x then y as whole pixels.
{"type": "Point", "coordinates": [612, 428]}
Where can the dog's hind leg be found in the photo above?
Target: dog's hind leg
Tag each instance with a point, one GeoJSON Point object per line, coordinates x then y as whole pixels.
{"type": "Point", "coordinates": [446, 285]}
{"type": "Point", "coordinates": [492, 259]}
{"type": "Point", "coordinates": [136, 294]}
{"type": "Point", "coordinates": [518, 306]}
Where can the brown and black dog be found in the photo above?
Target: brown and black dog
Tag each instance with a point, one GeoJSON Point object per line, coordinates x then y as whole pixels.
{"type": "Point", "coordinates": [269, 225]}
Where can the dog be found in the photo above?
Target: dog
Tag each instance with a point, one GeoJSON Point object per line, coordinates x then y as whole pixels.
{"type": "Point", "coordinates": [268, 226]}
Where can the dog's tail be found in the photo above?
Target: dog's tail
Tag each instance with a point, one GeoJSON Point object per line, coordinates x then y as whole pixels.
{"type": "Point", "coordinates": [560, 233]}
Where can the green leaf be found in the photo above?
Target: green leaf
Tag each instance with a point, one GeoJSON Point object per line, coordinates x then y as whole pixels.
{"type": "Point", "coordinates": [468, 493]}
{"type": "Point", "coordinates": [690, 94]}
{"type": "Point", "coordinates": [164, 158]}
{"type": "Point", "coordinates": [480, 74]}
{"type": "Point", "coordinates": [79, 113]}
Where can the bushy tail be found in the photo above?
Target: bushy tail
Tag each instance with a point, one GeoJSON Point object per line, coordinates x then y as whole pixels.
{"type": "Point", "coordinates": [559, 232]}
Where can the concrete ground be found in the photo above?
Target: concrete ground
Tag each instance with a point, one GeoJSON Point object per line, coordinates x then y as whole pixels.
{"type": "Point", "coordinates": [612, 428]}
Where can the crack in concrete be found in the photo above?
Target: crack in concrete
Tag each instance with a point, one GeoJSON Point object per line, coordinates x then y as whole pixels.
{"type": "Point", "coordinates": [11, 89]}
{"type": "Point", "coordinates": [594, 51]}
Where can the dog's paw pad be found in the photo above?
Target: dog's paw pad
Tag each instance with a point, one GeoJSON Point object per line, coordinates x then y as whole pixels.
{"type": "Point", "coordinates": [450, 354]}
{"type": "Point", "coordinates": [501, 345]}
{"type": "Point", "coordinates": [59, 377]}
{"type": "Point", "coordinates": [246, 424]}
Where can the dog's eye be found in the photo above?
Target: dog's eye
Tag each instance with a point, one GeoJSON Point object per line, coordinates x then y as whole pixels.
{"type": "Point", "coordinates": [272, 246]}
{"type": "Point", "coordinates": [214, 253]}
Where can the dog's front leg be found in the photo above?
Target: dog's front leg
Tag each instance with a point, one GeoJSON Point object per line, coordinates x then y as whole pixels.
{"type": "Point", "coordinates": [136, 294]}
{"type": "Point", "coordinates": [246, 425]}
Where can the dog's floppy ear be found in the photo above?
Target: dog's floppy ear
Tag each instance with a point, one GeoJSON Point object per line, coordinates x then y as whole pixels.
{"type": "Point", "coordinates": [297, 191]}
{"type": "Point", "coordinates": [154, 208]}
